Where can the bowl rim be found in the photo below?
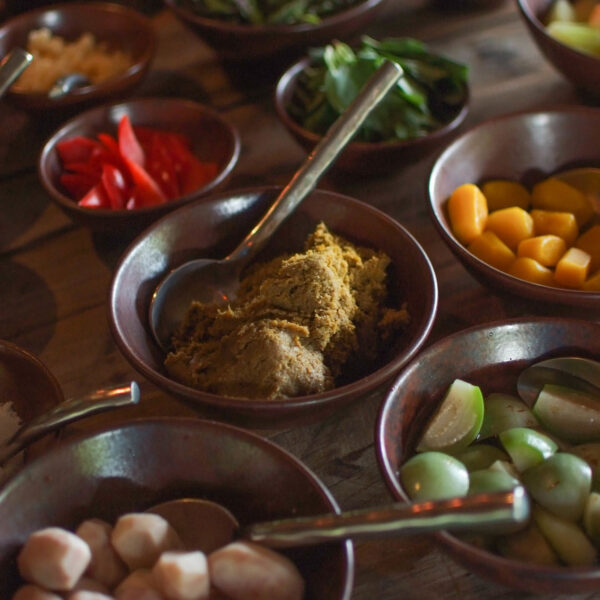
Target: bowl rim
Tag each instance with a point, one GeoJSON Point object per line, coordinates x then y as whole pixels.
{"type": "Point", "coordinates": [144, 26]}
{"type": "Point", "coordinates": [198, 425]}
{"type": "Point", "coordinates": [288, 80]}
{"type": "Point", "coordinates": [469, 552]}
{"type": "Point", "coordinates": [533, 19]}
{"type": "Point", "coordinates": [222, 25]}
{"type": "Point", "coordinates": [71, 205]}
{"type": "Point", "coordinates": [256, 407]}
{"type": "Point", "coordinates": [508, 282]}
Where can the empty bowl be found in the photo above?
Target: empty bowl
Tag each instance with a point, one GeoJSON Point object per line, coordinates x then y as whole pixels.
{"type": "Point", "coordinates": [491, 356]}
{"type": "Point", "coordinates": [524, 147]}
{"type": "Point", "coordinates": [116, 26]}
{"type": "Point", "coordinates": [212, 228]}
{"type": "Point", "coordinates": [136, 465]}
{"type": "Point", "coordinates": [582, 69]}
{"type": "Point", "coordinates": [212, 138]}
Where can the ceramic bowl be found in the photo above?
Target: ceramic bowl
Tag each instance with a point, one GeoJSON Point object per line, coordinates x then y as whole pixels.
{"type": "Point", "coordinates": [491, 356]}
{"type": "Point", "coordinates": [363, 158]}
{"type": "Point", "coordinates": [213, 138]}
{"type": "Point", "coordinates": [212, 228]}
{"type": "Point", "coordinates": [134, 466]}
{"type": "Point", "coordinates": [582, 69]}
{"type": "Point", "coordinates": [120, 27]}
{"type": "Point", "coordinates": [243, 43]}
{"type": "Point", "coordinates": [526, 147]}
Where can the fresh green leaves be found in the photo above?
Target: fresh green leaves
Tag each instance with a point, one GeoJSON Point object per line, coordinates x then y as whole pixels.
{"type": "Point", "coordinates": [429, 94]}
{"type": "Point", "coordinates": [268, 12]}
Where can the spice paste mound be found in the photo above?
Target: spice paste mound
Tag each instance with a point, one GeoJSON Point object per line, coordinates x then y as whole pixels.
{"type": "Point", "coordinates": [301, 324]}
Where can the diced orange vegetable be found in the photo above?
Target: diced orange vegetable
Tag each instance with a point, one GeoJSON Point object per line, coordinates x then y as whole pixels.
{"type": "Point", "coordinates": [583, 9]}
{"type": "Point", "coordinates": [502, 193]}
{"type": "Point", "coordinates": [492, 250]}
{"type": "Point", "coordinates": [511, 225]}
{"type": "Point", "coordinates": [592, 283]}
{"type": "Point", "coordinates": [546, 249]}
{"type": "Point", "coordinates": [530, 270]}
{"type": "Point", "coordinates": [554, 194]}
{"type": "Point", "coordinates": [594, 17]}
{"type": "Point", "coordinates": [468, 211]}
{"type": "Point", "coordinates": [573, 268]}
{"type": "Point", "coordinates": [562, 224]}
{"type": "Point", "coordinates": [590, 242]}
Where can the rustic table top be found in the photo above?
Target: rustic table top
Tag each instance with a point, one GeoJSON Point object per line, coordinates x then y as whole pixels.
{"type": "Point", "coordinates": [54, 275]}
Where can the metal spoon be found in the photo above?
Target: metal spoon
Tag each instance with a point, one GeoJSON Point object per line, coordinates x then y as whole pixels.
{"type": "Point", "coordinates": [217, 280]}
{"type": "Point", "coordinates": [206, 525]}
{"type": "Point", "coordinates": [571, 371]}
{"type": "Point", "coordinates": [67, 83]}
{"type": "Point", "coordinates": [12, 66]}
{"type": "Point", "coordinates": [69, 411]}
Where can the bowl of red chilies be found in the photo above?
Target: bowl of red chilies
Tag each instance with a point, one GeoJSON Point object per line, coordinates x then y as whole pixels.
{"type": "Point", "coordinates": [117, 168]}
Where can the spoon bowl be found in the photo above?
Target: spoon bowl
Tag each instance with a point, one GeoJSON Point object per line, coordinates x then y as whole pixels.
{"type": "Point", "coordinates": [219, 279]}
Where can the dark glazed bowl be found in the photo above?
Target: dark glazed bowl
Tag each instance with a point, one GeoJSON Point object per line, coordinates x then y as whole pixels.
{"type": "Point", "coordinates": [525, 147]}
{"type": "Point", "coordinates": [212, 228]}
{"type": "Point", "coordinates": [238, 42]}
{"type": "Point", "coordinates": [362, 158]}
{"type": "Point", "coordinates": [120, 27]}
{"type": "Point", "coordinates": [26, 382]}
{"type": "Point", "coordinates": [213, 138]}
{"type": "Point", "coordinates": [491, 356]}
{"type": "Point", "coordinates": [583, 70]}
{"type": "Point", "coordinates": [142, 463]}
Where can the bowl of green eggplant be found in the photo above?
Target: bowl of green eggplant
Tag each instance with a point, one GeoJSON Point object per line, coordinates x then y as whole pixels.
{"type": "Point", "coordinates": [259, 31]}
{"type": "Point", "coordinates": [500, 405]}
{"type": "Point", "coordinates": [421, 112]}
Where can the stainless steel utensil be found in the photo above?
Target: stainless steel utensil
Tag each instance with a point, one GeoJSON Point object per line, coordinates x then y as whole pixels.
{"type": "Point", "coordinates": [12, 66]}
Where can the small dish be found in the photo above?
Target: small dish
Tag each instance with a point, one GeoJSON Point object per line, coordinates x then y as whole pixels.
{"type": "Point", "coordinates": [525, 147]}
{"type": "Point", "coordinates": [492, 356]}
{"type": "Point", "coordinates": [213, 139]}
{"type": "Point", "coordinates": [116, 25]}
{"type": "Point", "coordinates": [214, 226]}
{"type": "Point", "coordinates": [582, 69]}
{"type": "Point", "coordinates": [145, 462]}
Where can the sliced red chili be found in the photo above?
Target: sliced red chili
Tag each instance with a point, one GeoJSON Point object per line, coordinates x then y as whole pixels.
{"type": "Point", "coordinates": [95, 198]}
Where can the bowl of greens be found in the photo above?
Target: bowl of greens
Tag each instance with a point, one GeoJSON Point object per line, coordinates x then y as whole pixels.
{"type": "Point", "coordinates": [257, 30]}
{"type": "Point", "coordinates": [429, 102]}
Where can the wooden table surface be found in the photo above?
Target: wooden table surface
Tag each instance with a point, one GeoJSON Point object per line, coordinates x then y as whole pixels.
{"type": "Point", "coordinates": [54, 275]}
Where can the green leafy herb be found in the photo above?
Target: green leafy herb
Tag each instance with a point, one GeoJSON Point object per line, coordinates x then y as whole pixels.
{"type": "Point", "coordinates": [429, 94]}
{"type": "Point", "coordinates": [269, 12]}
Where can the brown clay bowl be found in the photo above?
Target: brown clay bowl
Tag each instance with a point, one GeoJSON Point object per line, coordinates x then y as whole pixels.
{"type": "Point", "coordinates": [144, 462]}
{"type": "Point", "coordinates": [238, 42]}
{"type": "Point", "coordinates": [364, 158]}
{"type": "Point", "coordinates": [26, 383]}
{"type": "Point", "coordinates": [213, 138]}
{"type": "Point", "coordinates": [583, 70]}
{"type": "Point", "coordinates": [120, 27]}
{"type": "Point", "coordinates": [212, 228]}
{"type": "Point", "coordinates": [491, 356]}
{"type": "Point", "coordinates": [525, 147]}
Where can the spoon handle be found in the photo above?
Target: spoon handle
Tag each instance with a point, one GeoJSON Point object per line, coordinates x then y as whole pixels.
{"type": "Point", "coordinates": [319, 160]}
{"type": "Point", "coordinates": [12, 66]}
{"type": "Point", "coordinates": [482, 511]}
{"type": "Point", "coordinates": [69, 411]}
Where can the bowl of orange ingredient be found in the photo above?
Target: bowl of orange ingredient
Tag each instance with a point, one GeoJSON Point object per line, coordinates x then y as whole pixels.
{"type": "Point", "coordinates": [116, 168]}
{"type": "Point", "coordinates": [498, 201]}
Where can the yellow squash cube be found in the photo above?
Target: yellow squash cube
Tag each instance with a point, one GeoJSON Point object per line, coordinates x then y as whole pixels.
{"type": "Point", "coordinates": [554, 194]}
{"type": "Point", "coordinates": [511, 225]}
{"type": "Point", "coordinates": [589, 241]}
{"type": "Point", "coordinates": [562, 224]}
{"type": "Point", "coordinates": [503, 193]}
{"type": "Point", "coordinates": [492, 250]}
{"type": "Point", "coordinates": [573, 268]}
{"type": "Point", "coordinates": [468, 211]}
{"type": "Point", "coordinates": [546, 249]}
{"type": "Point", "coordinates": [530, 270]}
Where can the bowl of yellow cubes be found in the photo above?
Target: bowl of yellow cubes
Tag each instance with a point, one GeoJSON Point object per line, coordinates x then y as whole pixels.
{"type": "Point", "coordinates": [517, 200]}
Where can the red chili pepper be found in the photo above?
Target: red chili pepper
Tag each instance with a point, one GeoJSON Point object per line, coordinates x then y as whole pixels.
{"type": "Point", "coordinates": [147, 191]}
{"type": "Point", "coordinates": [95, 198]}
{"type": "Point", "coordinates": [129, 146]}
{"type": "Point", "coordinates": [77, 184]}
{"type": "Point", "coordinates": [115, 186]}
{"type": "Point", "coordinates": [161, 168]}
{"type": "Point", "coordinates": [75, 149]}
